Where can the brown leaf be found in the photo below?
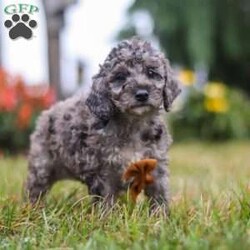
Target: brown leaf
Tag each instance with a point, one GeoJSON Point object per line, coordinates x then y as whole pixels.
{"type": "Point", "coordinates": [140, 173]}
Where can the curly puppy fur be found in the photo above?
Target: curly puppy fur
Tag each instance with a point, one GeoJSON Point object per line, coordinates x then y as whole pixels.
{"type": "Point", "coordinates": [94, 138]}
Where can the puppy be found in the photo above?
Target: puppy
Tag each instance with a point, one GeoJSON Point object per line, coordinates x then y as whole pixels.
{"type": "Point", "coordinates": [94, 138]}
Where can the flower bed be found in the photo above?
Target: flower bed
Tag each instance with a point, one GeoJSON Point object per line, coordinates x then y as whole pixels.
{"type": "Point", "coordinates": [211, 112]}
{"type": "Point", "coordinates": [19, 106]}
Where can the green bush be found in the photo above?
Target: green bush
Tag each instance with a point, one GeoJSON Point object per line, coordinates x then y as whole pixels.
{"type": "Point", "coordinates": [214, 113]}
{"type": "Point", "coordinates": [13, 139]}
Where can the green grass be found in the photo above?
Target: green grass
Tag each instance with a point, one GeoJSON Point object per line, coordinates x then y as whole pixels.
{"type": "Point", "coordinates": [210, 208]}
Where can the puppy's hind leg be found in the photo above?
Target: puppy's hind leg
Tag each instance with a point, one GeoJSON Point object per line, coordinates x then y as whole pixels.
{"type": "Point", "coordinates": [40, 179]}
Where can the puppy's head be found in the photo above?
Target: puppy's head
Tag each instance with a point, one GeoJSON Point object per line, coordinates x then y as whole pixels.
{"type": "Point", "coordinates": [134, 79]}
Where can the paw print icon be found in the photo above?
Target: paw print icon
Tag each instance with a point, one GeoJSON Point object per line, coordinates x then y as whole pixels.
{"type": "Point", "coordinates": [20, 26]}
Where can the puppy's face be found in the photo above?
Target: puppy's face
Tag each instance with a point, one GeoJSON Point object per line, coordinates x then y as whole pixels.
{"type": "Point", "coordinates": [134, 79]}
{"type": "Point", "coordinates": [136, 84]}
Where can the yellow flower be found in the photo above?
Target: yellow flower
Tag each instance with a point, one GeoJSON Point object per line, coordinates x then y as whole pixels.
{"type": "Point", "coordinates": [215, 97]}
{"type": "Point", "coordinates": [215, 90]}
{"type": "Point", "coordinates": [187, 77]}
{"type": "Point", "coordinates": [216, 105]}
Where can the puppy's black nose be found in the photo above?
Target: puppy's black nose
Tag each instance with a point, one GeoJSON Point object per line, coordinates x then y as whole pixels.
{"type": "Point", "coordinates": [141, 95]}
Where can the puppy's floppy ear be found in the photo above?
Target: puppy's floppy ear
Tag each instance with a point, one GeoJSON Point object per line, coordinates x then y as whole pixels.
{"type": "Point", "coordinates": [99, 101]}
{"type": "Point", "coordinates": [172, 86]}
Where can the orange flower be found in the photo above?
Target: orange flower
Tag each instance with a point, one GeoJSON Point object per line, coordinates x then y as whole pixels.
{"type": "Point", "coordinates": [48, 98]}
{"type": "Point", "coordinates": [20, 87]}
{"type": "Point", "coordinates": [8, 99]}
{"type": "Point", "coordinates": [140, 173]}
{"type": "Point", "coordinates": [3, 79]}
{"type": "Point", "coordinates": [24, 116]}
{"type": "Point", "coordinates": [41, 96]}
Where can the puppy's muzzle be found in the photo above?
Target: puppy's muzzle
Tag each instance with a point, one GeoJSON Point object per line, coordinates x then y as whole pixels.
{"type": "Point", "coordinates": [141, 95]}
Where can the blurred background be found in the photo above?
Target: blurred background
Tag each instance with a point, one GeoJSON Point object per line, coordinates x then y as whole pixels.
{"type": "Point", "coordinates": [207, 42]}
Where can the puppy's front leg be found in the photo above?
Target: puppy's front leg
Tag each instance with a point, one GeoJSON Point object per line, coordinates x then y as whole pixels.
{"type": "Point", "coordinates": [100, 191]}
{"type": "Point", "coordinates": [158, 191]}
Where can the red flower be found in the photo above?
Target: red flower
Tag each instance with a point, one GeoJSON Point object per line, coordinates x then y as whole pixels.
{"type": "Point", "coordinates": [48, 98]}
{"type": "Point", "coordinates": [3, 79]}
{"type": "Point", "coordinates": [24, 116]}
{"type": "Point", "coordinates": [8, 99]}
{"type": "Point", "coordinates": [20, 87]}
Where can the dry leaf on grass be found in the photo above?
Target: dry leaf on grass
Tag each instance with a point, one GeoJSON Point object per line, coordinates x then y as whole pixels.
{"type": "Point", "coordinates": [140, 173]}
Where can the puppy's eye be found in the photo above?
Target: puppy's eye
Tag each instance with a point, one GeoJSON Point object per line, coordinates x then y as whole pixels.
{"type": "Point", "coordinates": [120, 77]}
{"type": "Point", "coordinates": [153, 74]}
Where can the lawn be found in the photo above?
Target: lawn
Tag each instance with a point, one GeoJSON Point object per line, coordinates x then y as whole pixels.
{"type": "Point", "coordinates": [210, 208]}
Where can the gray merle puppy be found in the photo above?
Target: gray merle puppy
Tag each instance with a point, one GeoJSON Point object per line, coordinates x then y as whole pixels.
{"type": "Point", "coordinates": [94, 138]}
